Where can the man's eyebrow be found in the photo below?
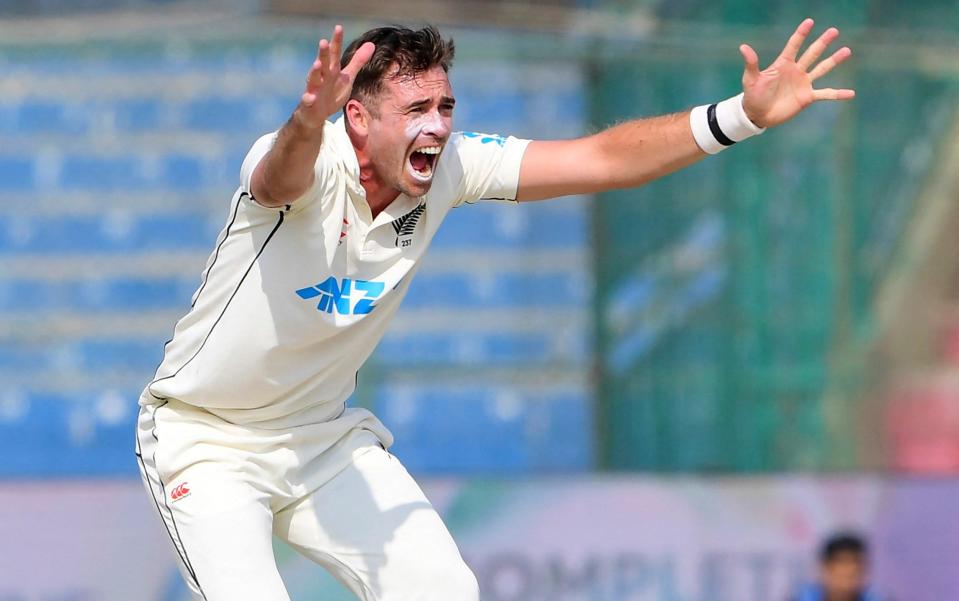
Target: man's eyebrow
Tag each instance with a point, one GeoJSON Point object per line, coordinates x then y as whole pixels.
{"type": "Point", "coordinates": [417, 103]}
{"type": "Point", "coordinates": [426, 101]}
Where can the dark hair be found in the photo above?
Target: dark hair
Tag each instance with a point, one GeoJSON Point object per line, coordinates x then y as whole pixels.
{"type": "Point", "coordinates": [400, 52]}
{"type": "Point", "coordinates": [844, 542]}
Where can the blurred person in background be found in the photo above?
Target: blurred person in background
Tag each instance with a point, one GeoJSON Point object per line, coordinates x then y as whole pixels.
{"type": "Point", "coordinates": [245, 433]}
{"type": "Point", "coordinates": [843, 572]}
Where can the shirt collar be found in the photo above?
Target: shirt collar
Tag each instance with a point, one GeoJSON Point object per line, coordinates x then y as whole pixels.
{"type": "Point", "coordinates": [344, 148]}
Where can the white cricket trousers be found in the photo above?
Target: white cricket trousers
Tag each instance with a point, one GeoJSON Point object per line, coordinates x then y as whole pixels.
{"type": "Point", "coordinates": [223, 490]}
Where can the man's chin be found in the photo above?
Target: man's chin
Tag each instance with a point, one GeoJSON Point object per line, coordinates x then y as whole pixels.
{"type": "Point", "coordinates": [415, 188]}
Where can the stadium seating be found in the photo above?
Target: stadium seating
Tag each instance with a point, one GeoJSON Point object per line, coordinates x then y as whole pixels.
{"type": "Point", "coordinates": [714, 308]}
{"type": "Point", "coordinates": [119, 188]}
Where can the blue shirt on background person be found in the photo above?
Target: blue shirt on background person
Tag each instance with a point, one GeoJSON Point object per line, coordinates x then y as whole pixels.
{"type": "Point", "coordinates": [843, 572]}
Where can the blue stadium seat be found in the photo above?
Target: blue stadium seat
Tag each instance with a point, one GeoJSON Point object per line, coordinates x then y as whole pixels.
{"type": "Point", "coordinates": [102, 173]}
{"type": "Point", "coordinates": [68, 435]}
{"type": "Point", "coordinates": [27, 295]}
{"type": "Point", "coordinates": [183, 172]}
{"type": "Point", "coordinates": [134, 294]}
{"type": "Point", "coordinates": [221, 113]}
{"type": "Point", "coordinates": [26, 358]}
{"type": "Point", "coordinates": [464, 348]}
{"type": "Point", "coordinates": [16, 174]}
{"type": "Point", "coordinates": [91, 296]}
{"type": "Point", "coordinates": [138, 355]}
{"type": "Point", "coordinates": [445, 289]}
{"type": "Point", "coordinates": [555, 289]}
{"type": "Point", "coordinates": [84, 355]}
{"type": "Point", "coordinates": [490, 225]}
{"type": "Point", "coordinates": [137, 114]}
{"type": "Point", "coordinates": [36, 116]}
{"type": "Point", "coordinates": [487, 430]}
{"type": "Point", "coordinates": [410, 349]}
{"type": "Point", "coordinates": [94, 234]}
{"type": "Point", "coordinates": [183, 230]}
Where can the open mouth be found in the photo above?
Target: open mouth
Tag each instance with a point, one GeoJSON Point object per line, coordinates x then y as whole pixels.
{"type": "Point", "coordinates": [422, 161]}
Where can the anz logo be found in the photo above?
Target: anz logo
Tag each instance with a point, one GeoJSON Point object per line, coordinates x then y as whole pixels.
{"type": "Point", "coordinates": [346, 297]}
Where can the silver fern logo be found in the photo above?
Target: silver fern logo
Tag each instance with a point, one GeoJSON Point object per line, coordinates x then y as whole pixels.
{"type": "Point", "coordinates": [405, 225]}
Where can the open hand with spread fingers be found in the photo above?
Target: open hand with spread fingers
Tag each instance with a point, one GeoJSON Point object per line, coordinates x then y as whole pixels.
{"type": "Point", "coordinates": [783, 89]}
{"type": "Point", "coordinates": [327, 85]}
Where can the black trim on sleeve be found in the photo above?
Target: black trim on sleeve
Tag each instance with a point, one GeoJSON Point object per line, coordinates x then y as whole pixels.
{"type": "Point", "coordinates": [714, 127]}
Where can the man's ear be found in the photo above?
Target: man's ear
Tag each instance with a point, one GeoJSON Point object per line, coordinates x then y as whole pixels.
{"type": "Point", "coordinates": [357, 117]}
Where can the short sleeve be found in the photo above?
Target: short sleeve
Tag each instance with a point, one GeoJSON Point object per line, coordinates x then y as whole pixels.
{"type": "Point", "coordinates": [253, 158]}
{"type": "Point", "coordinates": [325, 166]}
{"type": "Point", "coordinates": [490, 165]}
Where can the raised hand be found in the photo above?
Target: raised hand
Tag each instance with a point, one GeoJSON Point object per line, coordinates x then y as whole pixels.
{"type": "Point", "coordinates": [783, 89]}
{"type": "Point", "coordinates": [327, 85]}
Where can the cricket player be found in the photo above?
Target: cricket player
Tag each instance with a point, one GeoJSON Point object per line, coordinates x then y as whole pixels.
{"type": "Point", "coordinates": [245, 431]}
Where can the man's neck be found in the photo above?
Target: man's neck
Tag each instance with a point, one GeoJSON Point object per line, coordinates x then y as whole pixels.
{"type": "Point", "coordinates": [378, 194]}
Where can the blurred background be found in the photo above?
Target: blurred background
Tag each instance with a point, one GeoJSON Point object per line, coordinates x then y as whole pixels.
{"type": "Point", "coordinates": [665, 394]}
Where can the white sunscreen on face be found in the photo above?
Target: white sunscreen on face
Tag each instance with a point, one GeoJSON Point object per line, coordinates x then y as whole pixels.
{"type": "Point", "coordinates": [428, 123]}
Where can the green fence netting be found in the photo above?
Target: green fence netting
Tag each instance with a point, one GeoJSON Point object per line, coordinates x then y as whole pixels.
{"type": "Point", "coordinates": [728, 293]}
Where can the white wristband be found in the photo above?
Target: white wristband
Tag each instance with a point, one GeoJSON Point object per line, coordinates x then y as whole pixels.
{"type": "Point", "coordinates": [718, 126]}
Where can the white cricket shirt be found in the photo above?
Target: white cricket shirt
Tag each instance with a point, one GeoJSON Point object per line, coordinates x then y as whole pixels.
{"type": "Point", "coordinates": [294, 299]}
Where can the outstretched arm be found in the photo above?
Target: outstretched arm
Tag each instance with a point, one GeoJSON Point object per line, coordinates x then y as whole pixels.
{"type": "Point", "coordinates": [640, 151]}
{"type": "Point", "coordinates": [287, 170]}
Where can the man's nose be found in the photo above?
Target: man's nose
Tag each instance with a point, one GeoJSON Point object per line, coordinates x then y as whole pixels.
{"type": "Point", "coordinates": [437, 125]}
